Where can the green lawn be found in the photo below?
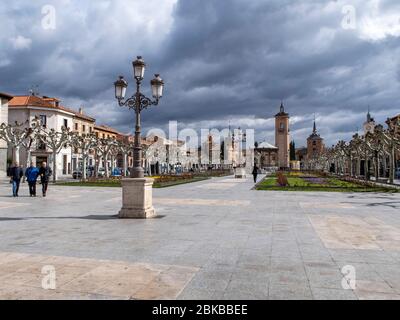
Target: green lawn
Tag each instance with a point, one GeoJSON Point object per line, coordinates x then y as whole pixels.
{"type": "Point", "coordinates": [330, 184]}
{"type": "Point", "coordinates": [117, 183]}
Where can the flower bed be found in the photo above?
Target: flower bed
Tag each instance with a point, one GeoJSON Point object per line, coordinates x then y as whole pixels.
{"type": "Point", "coordinates": [308, 181]}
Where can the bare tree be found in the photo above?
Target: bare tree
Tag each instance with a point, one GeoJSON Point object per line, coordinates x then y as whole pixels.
{"type": "Point", "coordinates": [55, 141]}
{"type": "Point", "coordinates": [86, 143]}
{"type": "Point", "coordinates": [103, 148]}
{"type": "Point", "coordinates": [391, 143]}
{"type": "Point", "coordinates": [19, 135]}
{"type": "Point", "coordinates": [125, 149]}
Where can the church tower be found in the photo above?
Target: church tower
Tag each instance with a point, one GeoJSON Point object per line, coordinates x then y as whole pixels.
{"type": "Point", "coordinates": [315, 144]}
{"type": "Point", "coordinates": [369, 125]}
{"type": "Point", "coordinates": [282, 137]}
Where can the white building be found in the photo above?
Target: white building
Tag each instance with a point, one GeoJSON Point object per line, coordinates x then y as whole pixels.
{"type": "Point", "coordinates": [24, 109]}
{"type": "Point", "coordinates": [4, 99]}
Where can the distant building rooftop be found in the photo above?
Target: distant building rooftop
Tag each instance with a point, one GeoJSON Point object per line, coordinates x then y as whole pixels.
{"type": "Point", "coordinates": [266, 145]}
{"type": "Point", "coordinates": [5, 95]}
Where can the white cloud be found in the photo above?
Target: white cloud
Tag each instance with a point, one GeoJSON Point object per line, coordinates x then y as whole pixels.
{"type": "Point", "coordinates": [21, 43]}
{"type": "Point", "coordinates": [376, 24]}
{"type": "Point", "coordinates": [4, 62]}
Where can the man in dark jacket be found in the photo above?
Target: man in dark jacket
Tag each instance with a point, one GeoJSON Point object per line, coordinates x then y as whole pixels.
{"type": "Point", "coordinates": [45, 173]}
{"type": "Point", "coordinates": [31, 175]}
{"type": "Point", "coordinates": [16, 173]}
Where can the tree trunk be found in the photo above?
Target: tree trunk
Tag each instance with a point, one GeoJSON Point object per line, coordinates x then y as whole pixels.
{"type": "Point", "coordinates": [376, 165]}
{"type": "Point", "coordinates": [84, 173]}
{"type": "Point", "coordinates": [28, 157]}
{"type": "Point", "coordinates": [16, 154]}
{"type": "Point", "coordinates": [351, 167]}
{"type": "Point", "coordinates": [96, 166]}
{"type": "Point", "coordinates": [105, 166]}
{"type": "Point", "coordinates": [392, 165]}
{"type": "Point", "coordinates": [54, 167]}
{"type": "Point", "coordinates": [112, 164]}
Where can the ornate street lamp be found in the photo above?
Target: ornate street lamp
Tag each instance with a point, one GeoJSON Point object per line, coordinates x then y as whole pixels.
{"type": "Point", "coordinates": [137, 192]}
{"type": "Point", "coordinates": [138, 102]}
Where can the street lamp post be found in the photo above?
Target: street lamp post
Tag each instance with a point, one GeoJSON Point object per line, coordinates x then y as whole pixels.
{"type": "Point", "coordinates": [137, 193]}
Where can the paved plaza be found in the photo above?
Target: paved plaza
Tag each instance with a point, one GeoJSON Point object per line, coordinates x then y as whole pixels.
{"type": "Point", "coordinates": [215, 239]}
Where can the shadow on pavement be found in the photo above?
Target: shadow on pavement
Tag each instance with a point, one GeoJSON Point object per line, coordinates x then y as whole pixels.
{"type": "Point", "coordinates": [90, 217]}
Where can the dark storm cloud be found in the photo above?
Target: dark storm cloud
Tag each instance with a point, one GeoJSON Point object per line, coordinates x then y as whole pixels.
{"type": "Point", "coordinates": [221, 60]}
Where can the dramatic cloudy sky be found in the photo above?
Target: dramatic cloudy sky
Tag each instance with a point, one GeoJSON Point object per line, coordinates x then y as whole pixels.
{"type": "Point", "coordinates": [223, 61]}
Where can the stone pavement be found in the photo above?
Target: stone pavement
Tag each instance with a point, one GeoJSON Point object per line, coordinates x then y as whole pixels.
{"type": "Point", "coordinates": [215, 239]}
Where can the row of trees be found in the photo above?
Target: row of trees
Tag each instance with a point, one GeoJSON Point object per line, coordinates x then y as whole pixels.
{"type": "Point", "coordinates": [27, 136]}
{"type": "Point", "coordinates": [373, 153]}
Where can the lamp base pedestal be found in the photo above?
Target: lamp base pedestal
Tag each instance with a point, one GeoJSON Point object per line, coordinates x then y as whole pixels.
{"type": "Point", "coordinates": [137, 199]}
{"type": "Point", "coordinates": [240, 173]}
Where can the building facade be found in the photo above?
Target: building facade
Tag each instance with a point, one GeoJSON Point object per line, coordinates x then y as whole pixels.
{"type": "Point", "coordinates": [24, 109]}
{"type": "Point", "coordinates": [282, 137]}
{"type": "Point", "coordinates": [82, 124]}
{"type": "Point", "coordinates": [4, 99]}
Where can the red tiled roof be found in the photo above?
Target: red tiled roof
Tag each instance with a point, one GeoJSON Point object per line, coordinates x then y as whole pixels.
{"type": "Point", "coordinates": [78, 115]}
{"type": "Point", "coordinates": [22, 101]}
{"type": "Point", "coordinates": [106, 128]}
{"type": "Point", "coordinates": [45, 102]}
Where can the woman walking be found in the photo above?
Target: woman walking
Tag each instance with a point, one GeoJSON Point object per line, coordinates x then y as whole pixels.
{"type": "Point", "coordinates": [255, 173]}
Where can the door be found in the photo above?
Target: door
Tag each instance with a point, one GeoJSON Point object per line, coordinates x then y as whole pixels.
{"type": "Point", "coordinates": [65, 163]}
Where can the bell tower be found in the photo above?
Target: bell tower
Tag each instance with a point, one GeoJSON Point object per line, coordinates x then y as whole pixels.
{"type": "Point", "coordinates": [282, 137]}
{"type": "Point", "coordinates": [369, 125]}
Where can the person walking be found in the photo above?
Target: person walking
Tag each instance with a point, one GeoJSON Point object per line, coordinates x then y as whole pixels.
{"type": "Point", "coordinates": [16, 173]}
{"type": "Point", "coordinates": [45, 173]}
{"type": "Point", "coordinates": [255, 173]}
{"type": "Point", "coordinates": [31, 175]}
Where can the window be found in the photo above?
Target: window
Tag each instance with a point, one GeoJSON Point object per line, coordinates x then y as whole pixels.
{"type": "Point", "coordinates": [282, 126]}
{"type": "Point", "coordinates": [83, 128]}
{"type": "Point", "coordinates": [65, 123]}
{"type": "Point", "coordinates": [314, 143]}
{"type": "Point", "coordinates": [76, 127]}
{"type": "Point", "coordinates": [90, 129]}
{"type": "Point", "coordinates": [43, 120]}
{"type": "Point", "coordinates": [41, 146]}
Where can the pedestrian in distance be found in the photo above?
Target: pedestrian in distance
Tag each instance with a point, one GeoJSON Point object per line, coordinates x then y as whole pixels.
{"type": "Point", "coordinates": [31, 175]}
{"type": "Point", "coordinates": [45, 174]}
{"type": "Point", "coordinates": [16, 173]}
{"type": "Point", "coordinates": [255, 173]}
